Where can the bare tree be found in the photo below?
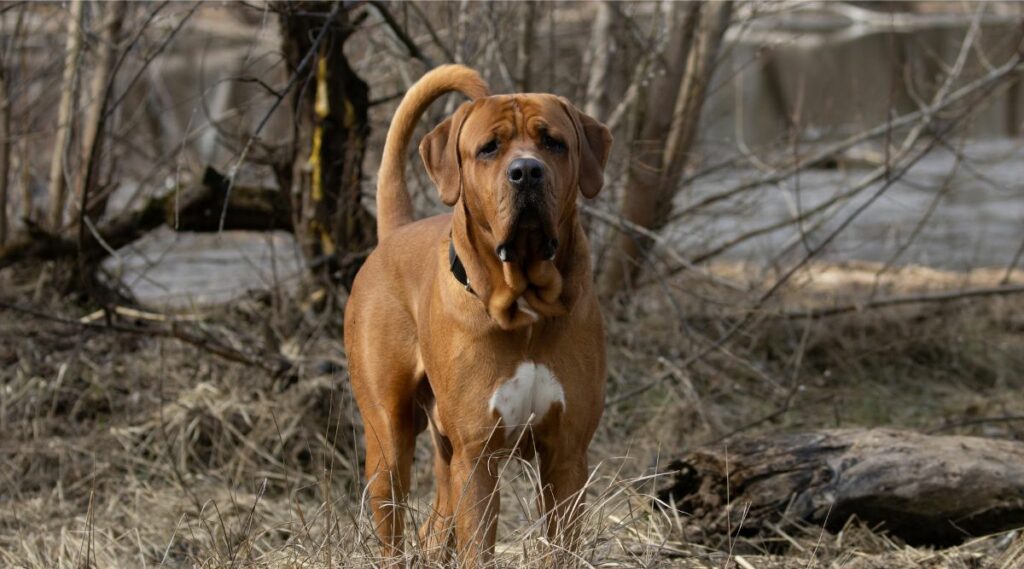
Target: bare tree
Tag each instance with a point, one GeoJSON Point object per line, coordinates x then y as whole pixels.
{"type": "Point", "coordinates": [662, 146]}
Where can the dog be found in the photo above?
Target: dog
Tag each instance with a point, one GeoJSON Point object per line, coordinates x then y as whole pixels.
{"type": "Point", "coordinates": [482, 324]}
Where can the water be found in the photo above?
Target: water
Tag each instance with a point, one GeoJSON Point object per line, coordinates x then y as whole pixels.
{"type": "Point", "coordinates": [834, 73]}
{"type": "Point", "coordinates": [978, 220]}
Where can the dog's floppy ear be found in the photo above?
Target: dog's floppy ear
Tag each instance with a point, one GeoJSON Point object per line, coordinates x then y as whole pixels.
{"type": "Point", "coordinates": [439, 150]}
{"type": "Point", "coordinates": [595, 144]}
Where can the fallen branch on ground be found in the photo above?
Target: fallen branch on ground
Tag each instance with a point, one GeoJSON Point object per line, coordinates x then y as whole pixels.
{"type": "Point", "coordinates": [935, 490]}
{"type": "Point", "coordinates": [273, 365]}
{"type": "Point", "coordinates": [901, 300]}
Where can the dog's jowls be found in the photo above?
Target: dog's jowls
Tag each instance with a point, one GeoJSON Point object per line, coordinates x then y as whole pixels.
{"type": "Point", "coordinates": [513, 358]}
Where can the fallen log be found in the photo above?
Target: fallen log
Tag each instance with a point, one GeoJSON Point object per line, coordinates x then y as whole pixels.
{"type": "Point", "coordinates": [927, 490]}
{"type": "Point", "coordinates": [201, 207]}
{"type": "Point", "coordinates": [196, 208]}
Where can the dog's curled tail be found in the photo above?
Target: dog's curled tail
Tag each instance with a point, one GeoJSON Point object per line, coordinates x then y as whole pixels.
{"type": "Point", "coordinates": [394, 205]}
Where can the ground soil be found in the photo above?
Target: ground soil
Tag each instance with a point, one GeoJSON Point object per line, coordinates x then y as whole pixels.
{"type": "Point", "coordinates": [132, 450]}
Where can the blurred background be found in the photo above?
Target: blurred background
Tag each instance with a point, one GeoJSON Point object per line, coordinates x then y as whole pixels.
{"type": "Point", "coordinates": [813, 217]}
{"type": "Point", "coordinates": [744, 134]}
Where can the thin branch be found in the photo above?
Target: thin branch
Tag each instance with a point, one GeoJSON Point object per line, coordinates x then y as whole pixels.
{"type": "Point", "coordinates": [431, 31]}
{"type": "Point", "coordinates": [876, 175]}
{"type": "Point", "coordinates": [961, 94]}
{"type": "Point", "coordinates": [990, 82]}
{"type": "Point", "coordinates": [400, 34]}
{"type": "Point", "coordinates": [205, 343]}
{"type": "Point", "coordinates": [296, 74]}
{"type": "Point", "coordinates": [904, 300]}
{"type": "Point", "coordinates": [149, 58]}
{"type": "Point", "coordinates": [622, 224]}
{"type": "Point", "coordinates": [978, 421]}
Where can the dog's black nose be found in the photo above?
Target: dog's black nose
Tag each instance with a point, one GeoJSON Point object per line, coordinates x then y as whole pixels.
{"type": "Point", "coordinates": [526, 173]}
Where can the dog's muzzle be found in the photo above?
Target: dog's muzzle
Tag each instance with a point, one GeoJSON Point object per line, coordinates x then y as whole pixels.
{"type": "Point", "coordinates": [529, 234]}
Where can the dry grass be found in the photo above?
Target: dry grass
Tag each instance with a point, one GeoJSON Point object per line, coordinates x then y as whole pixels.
{"type": "Point", "coordinates": [128, 451]}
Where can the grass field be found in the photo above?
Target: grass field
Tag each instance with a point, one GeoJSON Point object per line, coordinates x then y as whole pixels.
{"type": "Point", "coordinates": [131, 450]}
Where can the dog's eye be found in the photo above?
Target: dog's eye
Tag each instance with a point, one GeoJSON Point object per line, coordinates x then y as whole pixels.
{"type": "Point", "coordinates": [552, 143]}
{"type": "Point", "coordinates": [488, 150]}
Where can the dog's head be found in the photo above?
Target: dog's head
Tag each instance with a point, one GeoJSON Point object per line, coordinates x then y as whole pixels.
{"type": "Point", "coordinates": [517, 161]}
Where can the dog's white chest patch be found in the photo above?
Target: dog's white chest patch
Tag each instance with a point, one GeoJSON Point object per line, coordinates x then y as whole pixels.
{"type": "Point", "coordinates": [527, 396]}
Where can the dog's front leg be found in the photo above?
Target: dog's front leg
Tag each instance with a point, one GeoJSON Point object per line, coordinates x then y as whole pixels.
{"type": "Point", "coordinates": [390, 443]}
{"type": "Point", "coordinates": [475, 505]}
{"type": "Point", "coordinates": [436, 535]}
{"type": "Point", "coordinates": [563, 477]}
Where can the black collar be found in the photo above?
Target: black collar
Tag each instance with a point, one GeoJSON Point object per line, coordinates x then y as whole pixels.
{"type": "Point", "coordinates": [456, 266]}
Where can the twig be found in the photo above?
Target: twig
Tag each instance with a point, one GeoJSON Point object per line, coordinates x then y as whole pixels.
{"type": "Point", "coordinates": [990, 83]}
{"type": "Point", "coordinates": [978, 421]}
{"type": "Point", "coordinates": [149, 58]}
{"type": "Point", "coordinates": [431, 31]}
{"type": "Point", "coordinates": [204, 343]}
{"type": "Point", "coordinates": [833, 150]}
{"type": "Point", "coordinates": [901, 300]}
{"type": "Point", "coordinates": [1012, 265]}
{"type": "Point", "coordinates": [314, 48]}
{"type": "Point", "coordinates": [778, 412]}
{"type": "Point", "coordinates": [403, 37]}
{"type": "Point", "coordinates": [622, 224]}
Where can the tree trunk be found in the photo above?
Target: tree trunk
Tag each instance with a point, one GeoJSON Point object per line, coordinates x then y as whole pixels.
{"type": "Point", "coordinates": [5, 146]}
{"type": "Point", "coordinates": [65, 116]}
{"type": "Point", "coordinates": [663, 143]}
{"type": "Point", "coordinates": [93, 134]}
{"type": "Point", "coordinates": [935, 490]}
{"type": "Point", "coordinates": [600, 54]}
{"type": "Point", "coordinates": [330, 106]}
{"type": "Point", "coordinates": [524, 51]}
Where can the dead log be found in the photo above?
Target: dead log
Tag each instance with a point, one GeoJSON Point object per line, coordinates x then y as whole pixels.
{"type": "Point", "coordinates": [195, 208]}
{"type": "Point", "coordinates": [927, 490]}
{"type": "Point", "coordinates": [199, 207]}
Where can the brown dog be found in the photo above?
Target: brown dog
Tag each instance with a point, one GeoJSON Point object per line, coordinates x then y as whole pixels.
{"type": "Point", "coordinates": [482, 323]}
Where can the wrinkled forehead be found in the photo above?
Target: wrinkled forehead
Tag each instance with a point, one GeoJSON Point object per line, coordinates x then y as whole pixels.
{"type": "Point", "coordinates": [514, 116]}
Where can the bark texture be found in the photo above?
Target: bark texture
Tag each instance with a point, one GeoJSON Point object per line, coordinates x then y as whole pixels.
{"type": "Point", "coordinates": [933, 490]}
{"type": "Point", "coordinates": [330, 104]}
